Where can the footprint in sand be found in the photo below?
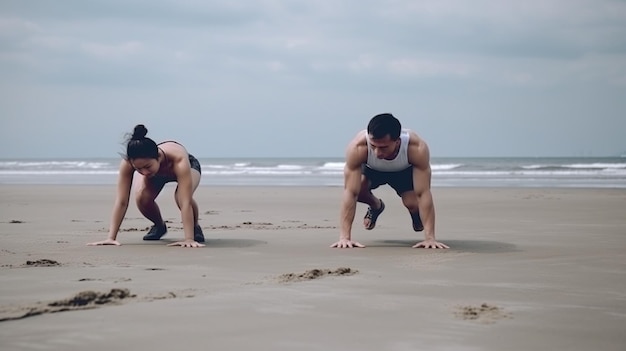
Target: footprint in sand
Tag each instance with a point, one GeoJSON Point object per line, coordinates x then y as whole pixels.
{"type": "Point", "coordinates": [314, 274]}
{"type": "Point", "coordinates": [81, 301]}
{"type": "Point", "coordinates": [309, 226]}
{"type": "Point", "coordinates": [86, 300]}
{"type": "Point", "coordinates": [42, 263]}
{"type": "Point", "coordinates": [485, 313]}
{"type": "Point", "coordinates": [135, 229]}
{"type": "Point", "coordinates": [271, 226]}
{"type": "Point", "coordinates": [114, 280]}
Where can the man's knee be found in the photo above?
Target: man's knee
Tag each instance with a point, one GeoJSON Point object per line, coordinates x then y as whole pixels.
{"type": "Point", "coordinates": [365, 190]}
{"type": "Point", "coordinates": [364, 196]}
{"type": "Point", "coordinates": [410, 200]}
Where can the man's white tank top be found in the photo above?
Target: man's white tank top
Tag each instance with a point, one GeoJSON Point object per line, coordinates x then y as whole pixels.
{"type": "Point", "coordinates": [399, 163]}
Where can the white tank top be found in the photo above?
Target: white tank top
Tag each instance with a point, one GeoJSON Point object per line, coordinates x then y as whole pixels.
{"type": "Point", "coordinates": [399, 163]}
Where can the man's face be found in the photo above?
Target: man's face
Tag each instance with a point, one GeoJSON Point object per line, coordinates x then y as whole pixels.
{"type": "Point", "coordinates": [384, 148]}
{"type": "Point", "coordinates": [146, 166]}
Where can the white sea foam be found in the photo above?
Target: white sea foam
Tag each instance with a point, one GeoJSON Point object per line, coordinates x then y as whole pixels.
{"type": "Point", "coordinates": [597, 165]}
{"type": "Point", "coordinates": [289, 167]}
{"type": "Point", "coordinates": [53, 164]}
{"type": "Point", "coordinates": [595, 172]}
{"type": "Point", "coordinates": [54, 172]}
{"type": "Point", "coordinates": [333, 165]}
{"type": "Point", "coordinates": [443, 167]}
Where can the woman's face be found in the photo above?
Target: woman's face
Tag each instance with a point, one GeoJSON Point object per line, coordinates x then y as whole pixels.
{"type": "Point", "coordinates": [147, 167]}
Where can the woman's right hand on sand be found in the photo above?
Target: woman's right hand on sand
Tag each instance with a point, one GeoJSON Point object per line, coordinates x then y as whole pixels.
{"type": "Point", "coordinates": [105, 242]}
{"type": "Point", "coordinates": [346, 243]}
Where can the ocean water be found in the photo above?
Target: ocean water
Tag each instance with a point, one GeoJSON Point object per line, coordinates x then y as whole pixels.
{"type": "Point", "coordinates": [586, 172]}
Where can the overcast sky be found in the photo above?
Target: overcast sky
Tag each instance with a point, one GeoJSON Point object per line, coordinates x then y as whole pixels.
{"type": "Point", "coordinates": [299, 78]}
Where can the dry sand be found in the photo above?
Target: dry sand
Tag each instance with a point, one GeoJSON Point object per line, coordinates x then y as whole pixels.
{"type": "Point", "coordinates": [528, 269]}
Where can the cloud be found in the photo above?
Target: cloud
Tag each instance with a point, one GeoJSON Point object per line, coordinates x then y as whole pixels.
{"type": "Point", "coordinates": [118, 52]}
{"type": "Point", "coordinates": [416, 67]}
{"type": "Point", "coordinates": [443, 59]}
{"type": "Point", "coordinates": [403, 38]}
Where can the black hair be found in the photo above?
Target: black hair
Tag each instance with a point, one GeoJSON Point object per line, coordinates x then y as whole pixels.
{"type": "Point", "coordinates": [138, 146]}
{"type": "Point", "coordinates": [383, 124]}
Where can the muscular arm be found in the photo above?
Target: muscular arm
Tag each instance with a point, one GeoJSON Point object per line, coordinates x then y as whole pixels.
{"type": "Point", "coordinates": [356, 155]}
{"type": "Point", "coordinates": [124, 183]}
{"type": "Point", "coordinates": [352, 185]}
{"type": "Point", "coordinates": [184, 193]}
{"type": "Point", "coordinates": [421, 184]}
{"type": "Point", "coordinates": [419, 157]}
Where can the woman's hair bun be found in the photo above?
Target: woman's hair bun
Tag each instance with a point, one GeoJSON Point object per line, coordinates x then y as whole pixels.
{"type": "Point", "coordinates": [139, 132]}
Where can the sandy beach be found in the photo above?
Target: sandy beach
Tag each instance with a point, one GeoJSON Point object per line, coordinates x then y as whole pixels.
{"type": "Point", "coordinates": [528, 269]}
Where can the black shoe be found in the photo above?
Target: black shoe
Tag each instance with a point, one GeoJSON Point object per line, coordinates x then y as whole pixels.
{"type": "Point", "coordinates": [155, 232]}
{"type": "Point", "coordinates": [198, 236]}
{"type": "Point", "coordinates": [417, 222]}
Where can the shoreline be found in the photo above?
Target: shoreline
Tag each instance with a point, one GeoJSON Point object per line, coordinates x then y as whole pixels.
{"type": "Point", "coordinates": [568, 172]}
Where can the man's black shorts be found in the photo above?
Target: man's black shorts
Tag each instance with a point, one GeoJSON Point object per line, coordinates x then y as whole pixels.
{"type": "Point", "coordinates": [400, 181]}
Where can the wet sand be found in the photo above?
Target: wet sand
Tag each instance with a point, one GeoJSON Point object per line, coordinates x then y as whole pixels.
{"type": "Point", "coordinates": [528, 269]}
